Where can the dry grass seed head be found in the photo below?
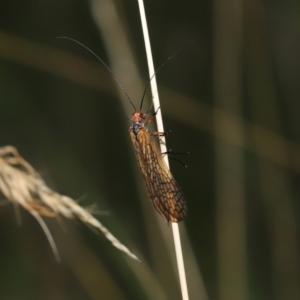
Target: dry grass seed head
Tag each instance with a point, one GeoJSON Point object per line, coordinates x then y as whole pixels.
{"type": "Point", "coordinates": [22, 185]}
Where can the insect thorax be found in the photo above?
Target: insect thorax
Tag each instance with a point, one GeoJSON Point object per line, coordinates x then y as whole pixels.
{"type": "Point", "coordinates": [136, 127]}
{"type": "Point", "coordinates": [137, 118]}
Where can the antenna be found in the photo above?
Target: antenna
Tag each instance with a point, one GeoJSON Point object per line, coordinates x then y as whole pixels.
{"type": "Point", "coordinates": [103, 63]}
{"type": "Point", "coordinates": [159, 68]}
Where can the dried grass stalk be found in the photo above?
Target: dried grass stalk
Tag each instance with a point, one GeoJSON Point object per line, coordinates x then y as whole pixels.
{"type": "Point", "coordinates": [22, 185]}
{"type": "Point", "coordinates": [163, 147]}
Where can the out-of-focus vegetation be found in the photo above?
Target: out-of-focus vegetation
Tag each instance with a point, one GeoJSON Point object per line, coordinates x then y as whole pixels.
{"type": "Point", "coordinates": [231, 100]}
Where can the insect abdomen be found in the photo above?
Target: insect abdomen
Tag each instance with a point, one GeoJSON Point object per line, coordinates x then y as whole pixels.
{"type": "Point", "coordinates": [164, 192]}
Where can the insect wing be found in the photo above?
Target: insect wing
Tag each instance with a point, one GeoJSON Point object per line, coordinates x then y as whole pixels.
{"type": "Point", "coordinates": [164, 191]}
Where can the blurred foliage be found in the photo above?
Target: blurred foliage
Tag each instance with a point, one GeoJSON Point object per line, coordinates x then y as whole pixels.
{"type": "Point", "coordinates": [231, 100]}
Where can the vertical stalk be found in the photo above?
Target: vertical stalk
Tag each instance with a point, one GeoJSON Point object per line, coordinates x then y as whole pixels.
{"type": "Point", "coordinates": [230, 165]}
{"type": "Point", "coordinates": [156, 103]}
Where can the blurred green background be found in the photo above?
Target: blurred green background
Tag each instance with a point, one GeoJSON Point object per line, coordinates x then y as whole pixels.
{"type": "Point", "coordinates": [230, 99]}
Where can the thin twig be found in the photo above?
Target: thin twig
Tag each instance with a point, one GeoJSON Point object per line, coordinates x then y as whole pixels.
{"type": "Point", "coordinates": [175, 228]}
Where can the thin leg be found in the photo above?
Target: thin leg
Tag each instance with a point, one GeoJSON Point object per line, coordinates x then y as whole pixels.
{"type": "Point", "coordinates": [158, 133]}
{"type": "Point", "coordinates": [151, 117]}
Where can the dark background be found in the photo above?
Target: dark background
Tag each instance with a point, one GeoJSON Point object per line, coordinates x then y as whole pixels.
{"type": "Point", "coordinates": [230, 99]}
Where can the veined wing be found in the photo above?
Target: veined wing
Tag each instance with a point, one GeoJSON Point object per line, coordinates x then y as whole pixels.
{"type": "Point", "coordinates": [164, 191]}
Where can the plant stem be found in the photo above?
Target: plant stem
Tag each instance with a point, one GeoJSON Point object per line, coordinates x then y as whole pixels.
{"type": "Point", "coordinates": [160, 128]}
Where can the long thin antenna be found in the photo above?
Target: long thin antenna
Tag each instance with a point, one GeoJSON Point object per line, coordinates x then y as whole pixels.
{"type": "Point", "coordinates": [159, 68]}
{"type": "Point", "coordinates": [104, 64]}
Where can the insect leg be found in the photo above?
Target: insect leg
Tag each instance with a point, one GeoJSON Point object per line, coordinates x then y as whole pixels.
{"type": "Point", "coordinates": [151, 117]}
{"type": "Point", "coordinates": [177, 153]}
{"type": "Point", "coordinates": [156, 133]}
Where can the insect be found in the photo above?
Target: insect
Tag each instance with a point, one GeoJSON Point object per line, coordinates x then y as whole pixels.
{"type": "Point", "coordinates": [164, 192]}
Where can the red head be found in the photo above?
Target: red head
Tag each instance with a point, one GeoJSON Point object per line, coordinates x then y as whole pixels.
{"type": "Point", "coordinates": [137, 116]}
